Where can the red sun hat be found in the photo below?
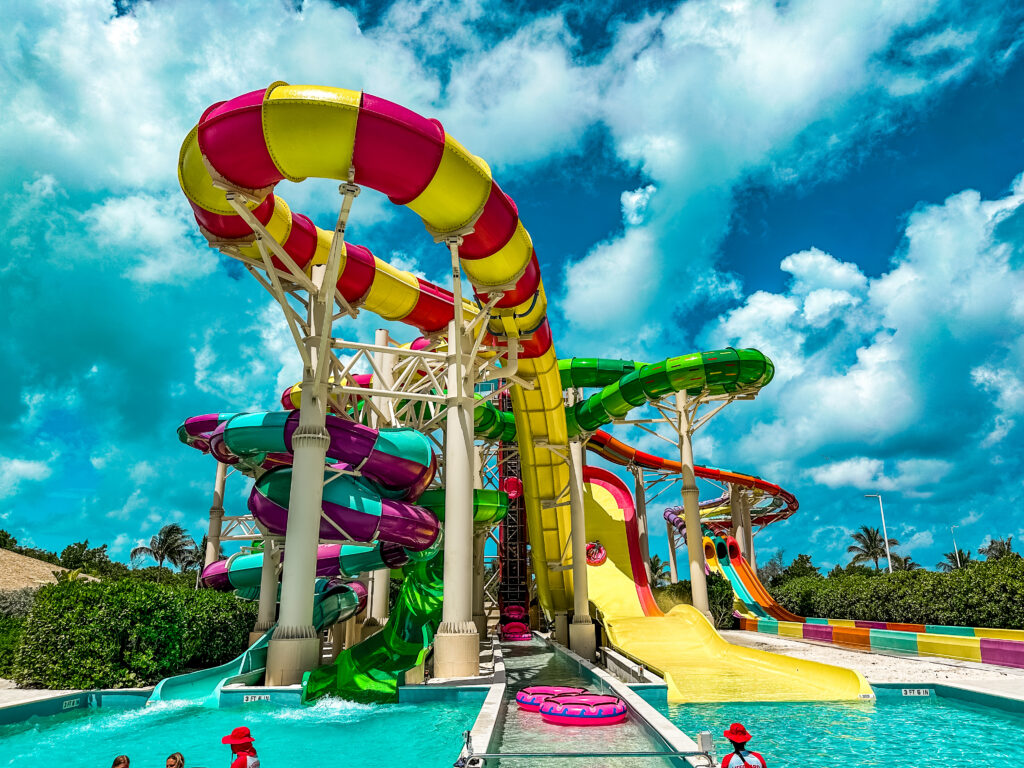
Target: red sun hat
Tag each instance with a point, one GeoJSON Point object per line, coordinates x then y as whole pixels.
{"type": "Point", "coordinates": [737, 733]}
{"type": "Point", "coordinates": [240, 735]}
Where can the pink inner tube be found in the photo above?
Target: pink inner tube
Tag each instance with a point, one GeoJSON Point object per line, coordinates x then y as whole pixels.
{"type": "Point", "coordinates": [532, 697]}
{"type": "Point", "coordinates": [583, 709]}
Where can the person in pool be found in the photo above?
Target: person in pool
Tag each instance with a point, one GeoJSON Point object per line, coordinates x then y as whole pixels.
{"type": "Point", "coordinates": [741, 756]}
{"type": "Point", "coordinates": [242, 751]}
{"type": "Point", "coordinates": [176, 760]}
{"type": "Point", "coordinates": [121, 761]}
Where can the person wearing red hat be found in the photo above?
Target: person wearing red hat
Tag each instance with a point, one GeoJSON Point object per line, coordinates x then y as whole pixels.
{"type": "Point", "coordinates": [242, 751]}
{"type": "Point", "coordinates": [741, 756]}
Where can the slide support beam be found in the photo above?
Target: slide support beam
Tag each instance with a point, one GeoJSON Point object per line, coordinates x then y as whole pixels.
{"type": "Point", "coordinates": [212, 553]}
{"type": "Point", "coordinates": [295, 648]}
{"type": "Point", "coordinates": [379, 582]}
{"type": "Point", "coordinates": [457, 643]}
{"type": "Point", "coordinates": [268, 590]}
{"type": "Point", "coordinates": [690, 493]}
{"type": "Point", "coordinates": [581, 632]}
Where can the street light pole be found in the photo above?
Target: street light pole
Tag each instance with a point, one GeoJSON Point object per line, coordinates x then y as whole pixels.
{"type": "Point", "coordinates": [956, 549]}
{"type": "Point", "coordinates": [885, 534]}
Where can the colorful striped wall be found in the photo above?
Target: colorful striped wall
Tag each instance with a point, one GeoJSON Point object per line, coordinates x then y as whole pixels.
{"type": "Point", "coordinates": [988, 646]}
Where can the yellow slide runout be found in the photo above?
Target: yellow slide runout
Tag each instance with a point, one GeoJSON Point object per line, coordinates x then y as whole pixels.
{"type": "Point", "coordinates": [697, 663]}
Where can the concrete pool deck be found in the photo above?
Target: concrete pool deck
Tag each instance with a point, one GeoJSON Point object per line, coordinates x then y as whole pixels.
{"type": "Point", "coordinates": [886, 668]}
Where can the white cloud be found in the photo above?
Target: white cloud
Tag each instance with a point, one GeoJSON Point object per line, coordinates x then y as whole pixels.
{"type": "Point", "coordinates": [15, 472]}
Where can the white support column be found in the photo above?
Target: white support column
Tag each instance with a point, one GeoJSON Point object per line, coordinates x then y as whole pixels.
{"type": "Point", "coordinates": [212, 553]}
{"type": "Point", "coordinates": [295, 647]}
{"type": "Point", "coordinates": [749, 533]}
{"type": "Point", "coordinates": [737, 505]}
{"type": "Point", "coordinates": [673, 569]}
{"type": "Point", "coordinates": [268, 590]}
{"type": "Point", "coordinates": [640, 501]}
{"type": "Point", "coordinates": [691, 501]}
{"type": "Point", "coordinates": [457, 643]}
{"type": "Point", "coordinates": [379, 582]}
{"type": "Point", "coordinates": [581, 632]}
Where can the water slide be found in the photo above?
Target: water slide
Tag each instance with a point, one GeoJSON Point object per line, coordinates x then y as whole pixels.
{"type": "Point", "coordinates": [252, 142]}
{"type": "Point", "coordinates": [697, 663]}
{"type": "Point", "coordinates": [333, 601]}
{"type": "Point", "coordinates": [747, 606]}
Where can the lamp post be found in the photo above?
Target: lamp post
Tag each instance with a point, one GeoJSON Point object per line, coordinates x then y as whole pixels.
{"type": "Point", "coordinates": [956, 549]}
{"type": "Point", "coordinates": [885, 534]}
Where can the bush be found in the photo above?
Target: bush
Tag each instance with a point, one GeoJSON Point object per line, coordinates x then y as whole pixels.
{"type": "Point", "coordinates": [10, 636]}
{"type": "Point", "coordinates": [985, 594]}
{"type": "Point", "coordinates": [720, 599]}
{"type": "Point", "coordinates": [126, 633]}
{"type": "Point", "coordinates": [17, 603]}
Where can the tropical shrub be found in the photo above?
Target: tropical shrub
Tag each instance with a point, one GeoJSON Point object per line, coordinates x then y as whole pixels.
{"type": "Point", "coordinates": [720, 599]}
{"type": "Point", "coordinates": [126, 633]}
{"type": "Point", "coordinates": [984, 594]}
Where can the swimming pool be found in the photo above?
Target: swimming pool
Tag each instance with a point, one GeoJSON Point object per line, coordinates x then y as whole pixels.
{"type": "Point", "coordinates": [894, 730]}
{"type": "Point", "coordinates": [329, 734]}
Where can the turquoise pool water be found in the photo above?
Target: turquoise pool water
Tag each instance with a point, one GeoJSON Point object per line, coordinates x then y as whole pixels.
{"type": "Point", "coordinates": [912, 731]}
{"type": "Point", "coordinates": [329, 734]}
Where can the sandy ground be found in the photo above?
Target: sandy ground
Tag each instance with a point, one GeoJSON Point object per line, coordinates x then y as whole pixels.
{"type": "Point", "coordinates": [882, 668]}
{"type": "Point", "coordinates": [11, 695]}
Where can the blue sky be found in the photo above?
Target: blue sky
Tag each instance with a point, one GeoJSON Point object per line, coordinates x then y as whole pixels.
{"type": "Point", "coordinates": [837, 184]}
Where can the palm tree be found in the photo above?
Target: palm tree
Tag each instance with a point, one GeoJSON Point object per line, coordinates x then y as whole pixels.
{"type": "Point", "coordinates": [997, 548]}
{"type": "Point", "coordinates": [870, 545]}
{"type": "Point", "coordinates": [659, 572]}
{"type": "Point", "coordinates": [194, 556]}
{"type": "Point", "coordinates": [904, 563]}
{"type": "Point", "coordinates": [952, 561]}
{"type": "Point", "coordinates": [171, 543]}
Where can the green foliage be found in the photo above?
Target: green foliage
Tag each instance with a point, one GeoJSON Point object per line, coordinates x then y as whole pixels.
{"type": "Point", "coordinates": [720, 601]}
{"type": "Point", "coordinates": [998, 548]}
{"type": "Point", "coordinates": [171, 543]}
{"type": "Point", "coordinates": [10, 636]}
{"type": "Point", "coordinates": [17, 603]}
{"type": "Point", "coordinates": [659, 572]}
{"type": "Point", "coordinates": [771, 570]}
{"type": "Point", "coordinates": [720, 598]}
{"type": "Point", "coordinates": [7, 541]}
{"type": "Point", "coordinates": [801, 567]}
{"type": "Point", "coordinates": [957, 559]}
{"type": "Point", "coordinates": [128, 632]}
{"type": "Point", "coordinates": [94, 561]}
{"type": "Point", "coordinates": [869, 544]}
{"type": "Point", "coordinates": [986, 594]}
{"type": "Point", "coordinates": [671, 595]}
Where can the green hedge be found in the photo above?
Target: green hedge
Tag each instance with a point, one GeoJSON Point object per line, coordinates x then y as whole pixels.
{"type": "Point", "coordinates": [126, 633]}
{"type": "Point", "coordinates": [720, 599]}
{"type": "Point", "coordinates": [985, 594]}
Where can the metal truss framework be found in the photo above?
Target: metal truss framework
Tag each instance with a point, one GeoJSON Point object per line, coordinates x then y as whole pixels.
{"type": "Point", "coordinates": [413, 391]}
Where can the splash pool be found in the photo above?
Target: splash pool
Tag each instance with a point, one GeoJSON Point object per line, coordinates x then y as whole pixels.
{"type": "Point", "coordinates": [894, 730]}
{"type": "Point", "coordinates": [329, 734]}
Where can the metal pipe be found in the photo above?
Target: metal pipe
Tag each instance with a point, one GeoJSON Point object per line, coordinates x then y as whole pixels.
{"type": "Point", "coordinates": [885, 534]}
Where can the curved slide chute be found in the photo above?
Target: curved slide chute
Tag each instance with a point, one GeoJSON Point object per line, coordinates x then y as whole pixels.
{"type": "Point", "coordinates": [333, 601]}
{"type": "Point", "coordinates": [618, 452]}
{"type": "Point", "coordinates": [696, 662]}
{"type": "Point", "coordinates": [252, 142]}
{"type": "Point", "coordinates": [748, 578]}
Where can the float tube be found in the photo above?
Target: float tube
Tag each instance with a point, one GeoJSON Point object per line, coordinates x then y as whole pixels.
{"type": "Point", "coordinates": [583, 709]}
{"type": "Point", "coordinates": [532, 697]}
